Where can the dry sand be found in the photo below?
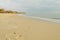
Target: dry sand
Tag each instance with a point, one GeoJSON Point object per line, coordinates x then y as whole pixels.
{"type": "Point", "coordinates": [13, 27]}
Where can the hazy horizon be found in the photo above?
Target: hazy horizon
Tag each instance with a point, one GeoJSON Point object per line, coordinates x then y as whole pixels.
{"type": "Point", "coordinates": [40, 8]}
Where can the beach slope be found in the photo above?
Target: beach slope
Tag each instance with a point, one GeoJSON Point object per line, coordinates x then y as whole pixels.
{"type": "Point", "coordinates": [13, 27]}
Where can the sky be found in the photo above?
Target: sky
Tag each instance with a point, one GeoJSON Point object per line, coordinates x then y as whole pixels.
{"type": "Point", "coordinates": [45, 8]}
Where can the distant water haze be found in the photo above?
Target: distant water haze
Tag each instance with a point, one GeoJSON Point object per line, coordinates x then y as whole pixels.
{"type": "Point", "coordinates": [47, 15]}
{"type": "Point", "coordinates": [38, 8]}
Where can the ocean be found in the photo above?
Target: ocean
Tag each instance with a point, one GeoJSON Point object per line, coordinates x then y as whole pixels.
{"type": "Point", "coordinates": [41, 18]}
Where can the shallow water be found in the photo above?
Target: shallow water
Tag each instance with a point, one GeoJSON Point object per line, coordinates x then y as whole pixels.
{"type": "Point", "coordinates": [40, 18]}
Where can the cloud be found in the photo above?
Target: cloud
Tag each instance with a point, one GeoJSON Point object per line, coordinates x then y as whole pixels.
{"type": "Point", "coordinates": [41, 3]}
{"type": "Point", "coordinates": [30, 4]}
{"type": "Point", "coordinates": [44, 5]}
{"type": "Point", "coordinates": [9, 4]}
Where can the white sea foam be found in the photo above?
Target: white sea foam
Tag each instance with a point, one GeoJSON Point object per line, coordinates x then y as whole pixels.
{"type": "Point", "coordinates": [46, 19]}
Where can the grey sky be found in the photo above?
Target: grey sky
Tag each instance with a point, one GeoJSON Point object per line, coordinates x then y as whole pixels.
{"type": "Point", "coordinates": [27, 4]}
{"type": "Point", "coordinates": [33, 7]}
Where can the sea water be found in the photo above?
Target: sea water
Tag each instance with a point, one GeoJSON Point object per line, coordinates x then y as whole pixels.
{"type": "Point", "coordinates": [41, 18]}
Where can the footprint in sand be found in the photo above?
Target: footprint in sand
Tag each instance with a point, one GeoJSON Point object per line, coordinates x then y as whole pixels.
{"type": "Point", "coordinates": [13, 36]}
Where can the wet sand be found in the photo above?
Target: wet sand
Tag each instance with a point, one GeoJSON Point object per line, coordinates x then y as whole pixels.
{"type": "Point", "coordinates": [13, 27]}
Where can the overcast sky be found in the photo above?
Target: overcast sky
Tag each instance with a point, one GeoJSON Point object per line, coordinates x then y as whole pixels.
{"type": "Point", "coordinates": [28, 4]}
{"type": "Point", "coordinates": [32, 6]}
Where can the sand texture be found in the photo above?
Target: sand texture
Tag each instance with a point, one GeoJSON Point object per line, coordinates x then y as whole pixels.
{"type": "Point", "coordinates": [13, 27]}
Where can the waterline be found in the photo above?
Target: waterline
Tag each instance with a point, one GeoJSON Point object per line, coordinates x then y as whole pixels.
{"type": "Point", "coordinates": [45, 19]}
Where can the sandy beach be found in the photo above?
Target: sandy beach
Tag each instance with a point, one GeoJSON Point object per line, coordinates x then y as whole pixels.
{"type": "Point", "coordinates": [13, 27]}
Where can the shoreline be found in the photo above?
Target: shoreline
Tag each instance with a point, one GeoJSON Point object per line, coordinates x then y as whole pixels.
{"type": "Point", "coordinates": [39, 18]}
{"type": "Point", "coordinates": [14, 27]}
